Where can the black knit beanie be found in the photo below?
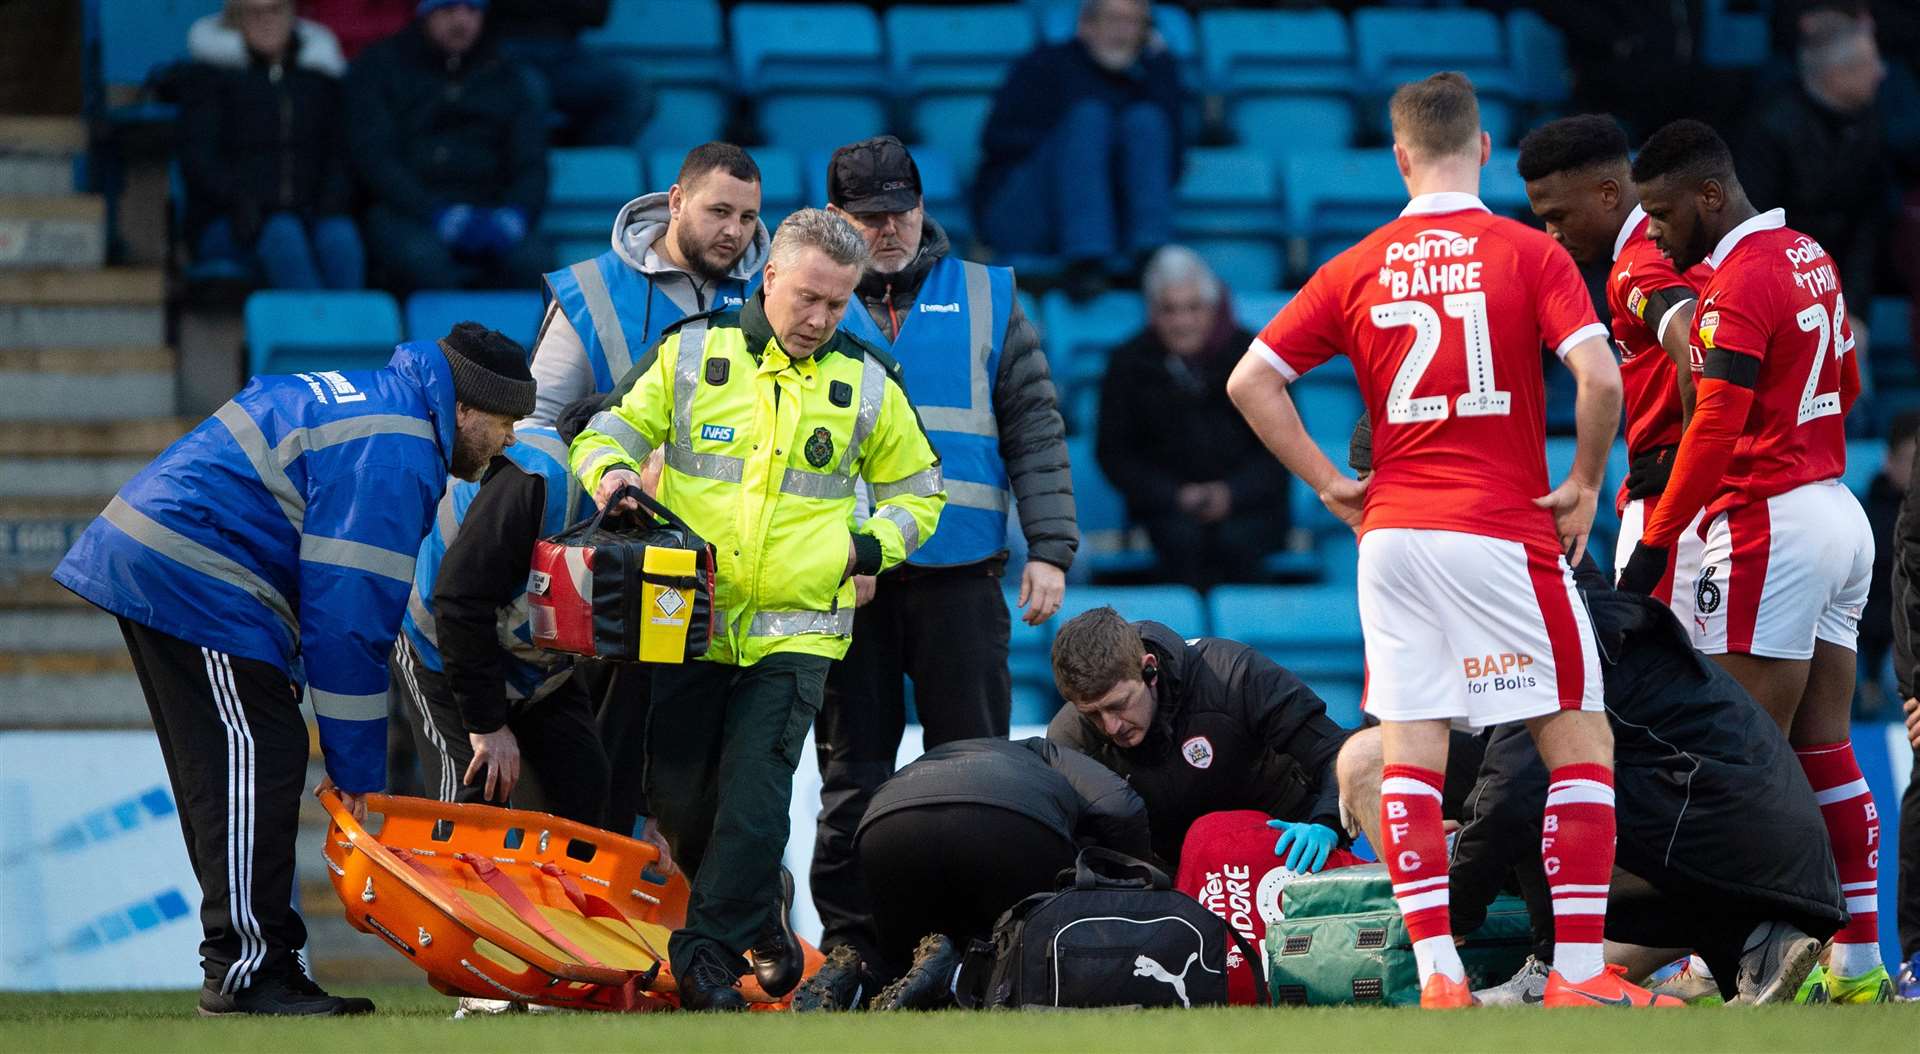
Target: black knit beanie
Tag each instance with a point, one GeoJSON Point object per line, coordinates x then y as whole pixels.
{"type": "Point", "coordinates": [489, 370]}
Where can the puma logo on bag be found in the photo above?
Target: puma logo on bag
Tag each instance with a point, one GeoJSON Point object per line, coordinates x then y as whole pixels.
{"type": "Point", "coordinates": [1146, 966]}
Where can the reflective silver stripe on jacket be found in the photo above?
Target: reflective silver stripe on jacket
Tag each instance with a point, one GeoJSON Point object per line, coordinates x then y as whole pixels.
{"type": "Point", "coordinates": [595, 459]}
{"type": "Point", "coordinates": [197, 557]}
{"type": "Point", "coordinates": [319, 437]}
{"type": "Point", "coordinates": [422, 618]}
{"type": "Point", "coordinates": [546, 444]}
{"type": "Point", "coordinates": [909, 527]}
{"type": "Point", "coordinates": [616, 428]}
{"type": "Point", "coordinates": [606, 321]}
{"type": "Point", "coordinates": [348, 707]}
{"type": "Point", "coordinates": [804, 484]}
{"type": "Point", "coordinates": [922, 484]}
{"type": "Point", "coordinates": [977, 495]}
{"type": "Point", "coordinates": [358, 556]}
{"type": "Point", "coordinates": [873, 394]}
{"type": "Point", "coordinates": [794, 623]}
{"type": "Point", "coordinates": [681, 456]}
{"type": "Point", "coordinates": [266, 465]}
{"type": "Point", "coordinates": [977, 418]}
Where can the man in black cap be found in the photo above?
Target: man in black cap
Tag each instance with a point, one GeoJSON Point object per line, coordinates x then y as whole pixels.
{"type": "Point", "coordinates": [980, 382]}
{"type": "Point", "coordinates": [271, 549]}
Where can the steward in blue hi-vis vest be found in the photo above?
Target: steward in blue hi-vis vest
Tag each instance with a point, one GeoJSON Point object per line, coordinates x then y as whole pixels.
{"type": "Point", "coordinates": [949, 350]}
{"type": "Point", "coordinates": [609, 310]}
{"type": "Point", "coordinates": [530, 672]}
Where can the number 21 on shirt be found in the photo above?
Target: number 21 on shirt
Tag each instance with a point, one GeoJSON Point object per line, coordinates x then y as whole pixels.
{"type": "Point", "coordinates": [1815, 404]}
{"type": "Point", "coordinates": [1481, 398]}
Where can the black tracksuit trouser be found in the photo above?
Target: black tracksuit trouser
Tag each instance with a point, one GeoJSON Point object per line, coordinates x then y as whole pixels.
{"type": "Point", "coordinates": [945, 629]}
{"type": "Point", "coordinates": [563, 768]}
{"type": "Point", "coordinates": [235, 746]}
{"type": "Point", "coordinates": [722, 745]}
{"type": "Point", "coordinates": [1910, 864]}
{"type": "Point", "coordinates": [952, 868]}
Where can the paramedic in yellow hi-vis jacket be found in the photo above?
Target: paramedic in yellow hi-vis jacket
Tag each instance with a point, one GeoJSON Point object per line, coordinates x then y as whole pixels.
{"type": "Point", "coordinates": [767, 417]}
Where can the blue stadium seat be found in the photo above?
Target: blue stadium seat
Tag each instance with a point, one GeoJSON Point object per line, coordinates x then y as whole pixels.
{"type": "Point", "coordinates": [1312, 630]}
{"type": "Point", "coordinates": [683, 118]}
{"type": "Point", "coordinates": [134, 37]}
{"type": "Point", "coordinates": [1336, 196]}
{"type": "Point", "coordinates": [1501, 187]}
{"type": "Point", "coordinates": [1394, 46]}
{"type": "Point", "coordinates": [1080, 335]}
{"type": "Point", "coordinates": [1329, 411]}
{"type": "Point", "coordinates": [1277, 125]}
{"type": "Point", "coordinates": [818, 47]}
{"type": "Point", "coordinates": [1277, 51]}
{"type": "Point", "coordinates": [952, 123]}
{"type": "Point", "coordinates": [1226, 191]}
{"type": "Point", "coordinates": [1182, 38]}
{"type": "Point", "coordinates": [1106, 539]}
{"type": "Point", "coordinates": [570, 251]}
{"type": "Point", "coordinates": [587, 185]}
{"type": "Point", "coordinates": [1255, 309]}
{"type": "Point", "coordinates": [1734, 39]}
{"type": "Point", "coordinates": [1864, 458]}
{"type": "Point", "coordinates": [955, 49]}
{"type": "Point", "coordinates": [1179, 607]}
{"type": "Point", "coordinates": [290, 332]}
{"type": "Point", "coordinates": [811, 122]}
{"type": "Point", "coordinates": [1539, 53]}
{"type": "Point", "coordinates": [1034, 703]}
{"type": "Point", "coordinates": [1027, 646]}
{"type": "Point", "coordinates": [1890, 358]}
{"type": "Point", "coordinates": [514, 312]}
{"type": "Point", "coordinates": [1241, 262]}
{"type": "Point", "coordinates": [680, 41]}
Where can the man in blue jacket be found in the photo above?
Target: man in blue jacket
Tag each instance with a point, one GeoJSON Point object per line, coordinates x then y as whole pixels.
{"type": "Point", "coordinates": [272, 548]}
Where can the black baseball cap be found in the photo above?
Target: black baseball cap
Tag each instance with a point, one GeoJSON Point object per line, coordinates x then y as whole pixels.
{"type": "Point", "coordinates": [873, 175]}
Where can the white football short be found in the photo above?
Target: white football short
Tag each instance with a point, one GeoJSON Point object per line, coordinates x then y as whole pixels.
{"type": "Point", "coordinates": [1472, 629]}
{"type": "Point", "coordinates": [1683, 564]}
{"type": "Point", "coordinates": [1778, 574]}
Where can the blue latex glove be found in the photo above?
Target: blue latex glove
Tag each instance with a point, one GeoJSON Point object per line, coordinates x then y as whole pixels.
{"type": "Point", "coordinates": [454, 224]}
{"type": "Point", "coordinates": [1306, 845]}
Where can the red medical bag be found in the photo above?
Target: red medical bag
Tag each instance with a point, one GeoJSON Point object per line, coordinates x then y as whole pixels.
{"type": "Point", "coordinates": [632, 587]}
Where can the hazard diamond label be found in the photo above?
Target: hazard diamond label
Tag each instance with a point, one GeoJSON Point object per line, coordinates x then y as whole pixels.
{"type": "Point", "coordinates": [669, 602]}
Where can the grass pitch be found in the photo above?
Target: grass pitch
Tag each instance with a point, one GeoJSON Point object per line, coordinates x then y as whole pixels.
{"type": "Point", "coordinates": [414, 1020]}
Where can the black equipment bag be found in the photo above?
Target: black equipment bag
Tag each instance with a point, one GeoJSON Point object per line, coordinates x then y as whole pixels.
{"type": "Point", "coordinates": [1116, 933]}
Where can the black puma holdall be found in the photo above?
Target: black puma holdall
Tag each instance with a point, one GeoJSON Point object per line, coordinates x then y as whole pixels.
{"type": "Point", "coordinates": [1116, 933]}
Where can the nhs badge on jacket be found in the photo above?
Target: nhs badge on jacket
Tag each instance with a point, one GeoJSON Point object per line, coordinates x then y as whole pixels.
{"type": "Point", "coordinates": [1198, 751]}
{"type": "Point", "coordinates": [717, 433]}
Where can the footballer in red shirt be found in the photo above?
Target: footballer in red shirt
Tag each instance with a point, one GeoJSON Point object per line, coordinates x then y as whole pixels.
{"type": "Point", "coordinates": [1577, 180]}
{"type": "Point", "coordinates": [1466, 598]}
{"type": "Point", "coordinates": [1788, 555]}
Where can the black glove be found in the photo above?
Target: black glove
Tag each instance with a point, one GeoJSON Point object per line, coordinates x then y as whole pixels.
{"type": "Point", "coordinates": [1644, 570]}
{"type": "Point", "coordinates": [1648, 472]}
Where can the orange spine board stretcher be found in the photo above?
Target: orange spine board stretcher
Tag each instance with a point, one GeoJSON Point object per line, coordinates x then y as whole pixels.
{"type": "Point", "coordinates": [508, 904]}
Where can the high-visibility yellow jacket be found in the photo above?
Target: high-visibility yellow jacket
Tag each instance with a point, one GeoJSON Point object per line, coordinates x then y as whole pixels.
{"type": "Point", "coordinates": [762, 453]}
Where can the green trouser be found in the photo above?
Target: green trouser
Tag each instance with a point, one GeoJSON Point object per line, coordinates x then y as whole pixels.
{"type": "Point", "coordinates": [722, 745]}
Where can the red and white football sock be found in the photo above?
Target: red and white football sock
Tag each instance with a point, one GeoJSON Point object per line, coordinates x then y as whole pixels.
{"type": "Point", "coordinates": [1576, 849]}
{"type": "Point", "coordinates": [1853, 826]}
{"type": "Point", "coordinates": [1416, 857]}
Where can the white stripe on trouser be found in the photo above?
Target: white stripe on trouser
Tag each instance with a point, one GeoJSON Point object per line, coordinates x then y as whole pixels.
{"type": "Point", "coordinates": [1579, 905]}
{"type": "Point", "coordinates": [240, 818]}
{"type": "Point", "coordinates": [407, 659]}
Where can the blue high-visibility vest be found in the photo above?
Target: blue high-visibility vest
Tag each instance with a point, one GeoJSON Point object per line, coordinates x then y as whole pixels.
{"type": "Point", "coordinates": [948, 349]}
{"type": "Point", "coordinates": [619, 313]}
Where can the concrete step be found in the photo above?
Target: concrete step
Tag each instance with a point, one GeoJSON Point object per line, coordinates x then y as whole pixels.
{"type": "Point", "coordinates": [52, 698]}
{"type": "Point", "coordinates": [43, 631]}
{"type": "Point", "coordinates": [31, 174]}
{"type": "Point", "coordinates": [55, 438]}
{"type": "Point", "coordinates": [66, 477]}
{"type": "Point", "coordinates": [43, 231]}
{"type": "Point", "coordinates": [35, 591]}
{"type": "Point", "coordinates": [42, 136]}
{"type": "Point", "coordinates": [36, 396]}
{"type": "Point", "coordinates": [56, 308]}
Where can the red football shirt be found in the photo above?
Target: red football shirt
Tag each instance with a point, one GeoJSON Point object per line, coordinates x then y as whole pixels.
{"type": "Point", "coordinates": [1641, 271]}
{"type": "Point", "coordinates": [1774, 300]}
{"type": "Point", "coordinates": [1443, 312]}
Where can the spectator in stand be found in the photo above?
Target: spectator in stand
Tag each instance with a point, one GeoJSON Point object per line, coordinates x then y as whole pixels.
{"type": "Point", "coordinates": [358, 23]}
{"type": "Point", "coordinates": [1192, 472]}
{"type": "Point", "coordinates": [1082, 148]}
{"type": "Point", "coordinates": [450, 140]}
{"type": "Point", "coordinates": [603, 100]}
{"type": "Point", "coordinates": [1816, 148]}
{"type": "Point", "coordinates": [1882, 500]}
{"type": "Point", "coordinates": [263, 150]}
{"type": "Point", "coordinates": [217, 40]}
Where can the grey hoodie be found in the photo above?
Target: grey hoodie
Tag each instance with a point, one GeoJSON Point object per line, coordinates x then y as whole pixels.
{"type": "Point", "coordinates": [560, 365]}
